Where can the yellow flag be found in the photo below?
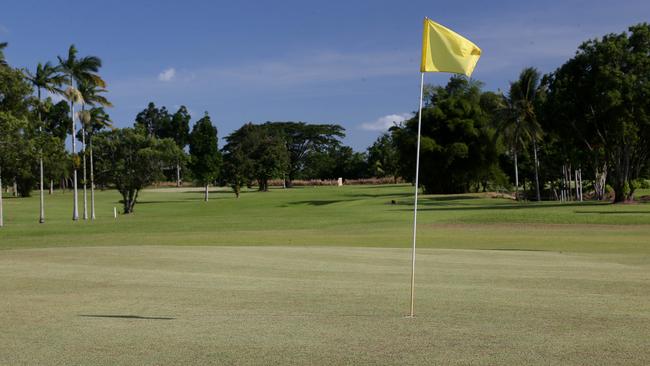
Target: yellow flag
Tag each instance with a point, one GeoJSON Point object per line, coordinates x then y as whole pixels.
{"type": "Point", "coordinates": [444, 50]}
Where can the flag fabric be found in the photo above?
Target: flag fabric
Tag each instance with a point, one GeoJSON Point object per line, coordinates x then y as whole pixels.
{"type": "Point", "coordinates": [444, 50]}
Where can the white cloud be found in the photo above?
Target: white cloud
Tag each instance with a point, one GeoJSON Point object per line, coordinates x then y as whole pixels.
{"type": "Point", "coordinates": [167, 75]}
{"type": "Point", "coordinates": [385, 122]}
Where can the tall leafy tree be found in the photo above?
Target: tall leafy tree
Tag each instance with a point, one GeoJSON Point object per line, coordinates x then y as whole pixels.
{"type": "Point", "coordinates": [56, 123]}
{"type": "Point", "coordinates": [78, 70]}
{"type": "Point", "coordinates": [457, 145]}
{"type": "Point", "coordinates": [205, 158]}
{"type": "Point", "coordinates": [153, 121]}
{"type": "Point", "coordinates": [131, 161]}
{"type": "Point", "coordinates": [524, 99]}
{"type": "Point", "coordinates": [258, 153]}
{"type": "Point", "coordinates": [301, 138]}
{"type": "Point", "coordinates": [383, 157]}
{"type": "Point", "coordinates": [600, 98]}
{"type": "Point", "coordinates": [16, 149]}
{"type": "Point", "coordinates": [46, 77]}
{"type": "Point", "coordinates": [178, 130]}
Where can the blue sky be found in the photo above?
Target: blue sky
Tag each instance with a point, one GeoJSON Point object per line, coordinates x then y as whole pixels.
{"type": "Point", "coordinates": [349, 62]}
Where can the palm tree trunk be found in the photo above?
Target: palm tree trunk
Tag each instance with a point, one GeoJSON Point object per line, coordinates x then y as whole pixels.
{"type": "Point", "coordinates": [92, 179]}
{"type": "Point", "coordinates": [41, 218]}
{"type": "Point", "coordinates": [42, 214]}
{"type": "Point", "coordinates": [205, 197]}
{"type": "Point", "coordinates": [536, 170]}
{"type": "Point", "coordinates": [83, 147]}
{"type": "Point", "coordinates": [75, 199]}
{"type": "Point", "coordinates": [516, 176]}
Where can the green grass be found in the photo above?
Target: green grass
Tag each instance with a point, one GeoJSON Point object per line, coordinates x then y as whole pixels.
{"type": "Point", "coordinates": [327, 216]}
{"type": "Point", "coordinates": [321, 276]}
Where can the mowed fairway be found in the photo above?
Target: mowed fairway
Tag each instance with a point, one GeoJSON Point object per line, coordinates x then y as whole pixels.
{"type": "Point", "coordinates": [320, 276]}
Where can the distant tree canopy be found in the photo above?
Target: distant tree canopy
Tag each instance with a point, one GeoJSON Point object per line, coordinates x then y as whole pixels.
{"type": "Point", "coordinates": [591, 116]}
{"type": "Point", "coordinates": [131, 161]}
{"type": "Point", "coordinates": [383, 157]}
{"type": "Point", "coordinates": [301, 139]}
{"type": "Point", "coordinates": [458, 147]}
{"type": "Point", "coordinates": [255, 153]}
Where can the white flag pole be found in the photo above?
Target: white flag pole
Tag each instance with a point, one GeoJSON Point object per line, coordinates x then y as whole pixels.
{"type": "Point", "coordinates": [415, 207]}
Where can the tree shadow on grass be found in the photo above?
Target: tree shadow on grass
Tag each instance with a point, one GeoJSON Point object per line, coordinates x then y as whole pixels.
{"type": "Point", "coordinates": [378, 195]}
{"type": "Point", "coordinates": [498, 206]}
{"type": "Point", "coordinates": [318, 202]}
{"type": "Point", "coordinates": [612, 212]}
{"type": "Point", "coordinates": [118, 316]}
{"type": "Point", "coordinates": [516, 250]}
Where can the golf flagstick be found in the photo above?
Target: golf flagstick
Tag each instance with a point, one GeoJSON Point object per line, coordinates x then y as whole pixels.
{"type": "Point", "coordinates": [415, 206]}
{"type": "Point", "coordinates": [446, 51]}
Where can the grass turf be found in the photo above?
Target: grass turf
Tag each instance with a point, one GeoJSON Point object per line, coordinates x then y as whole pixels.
{"type": "Point", "coordinates": [327, 216]}
{"type": "Point", "coordinates": [320, 276]}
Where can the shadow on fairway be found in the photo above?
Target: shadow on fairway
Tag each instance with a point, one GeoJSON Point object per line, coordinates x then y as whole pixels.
{"type": "Point", "coordinates": [612, 212]}
{"type": "Point", "coordinates": [126, 317]}
{"type": "Point", "coordinates": [422, 206]}
{"type": "Point", "coordinates": [517, 250]}
{"type": "Point", "coordinates": [377, 195]}
{"type": "Point", "coordinates": [318, 202]}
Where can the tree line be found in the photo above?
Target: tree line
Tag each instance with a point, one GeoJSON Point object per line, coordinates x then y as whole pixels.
{"type": "Point", "coordinates": [160, 145]}
{"type": "Point", "coordinates": [591, 115]}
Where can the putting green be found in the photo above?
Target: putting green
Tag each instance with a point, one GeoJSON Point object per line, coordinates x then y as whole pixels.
{"type": "Point", "coordinates": [169, 305]}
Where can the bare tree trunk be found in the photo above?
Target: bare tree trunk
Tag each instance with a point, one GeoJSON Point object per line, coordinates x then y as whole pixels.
{"type": "Point", "coordinates": [206, 193]}
{"type": "Point", "coordinates": [178, 174]}
{"type": "Point", "coordinates": [51, 186]}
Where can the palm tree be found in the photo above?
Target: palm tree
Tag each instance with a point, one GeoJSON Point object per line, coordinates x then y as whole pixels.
{"type": "Point", "coordinates": [3, 61]}
{"type": "Point", "coordinates": [91, 94]}
{"type": "Point", "coordinates": [93, 121]}
{"type": "Point", "coordinates": [522, 100]}
{"type": "Point", "coordinates": [510, 128]}
{"type": "Point", "coordinates": [79, 70]}
{"type": "Point", "coordinates": [46, 77]}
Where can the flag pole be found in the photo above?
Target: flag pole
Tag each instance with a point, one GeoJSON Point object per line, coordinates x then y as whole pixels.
{"type": "Point", "coordinates": [415, 206]}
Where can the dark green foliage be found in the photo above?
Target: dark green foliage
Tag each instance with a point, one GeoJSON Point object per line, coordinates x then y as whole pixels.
{"type": "Point", "coordinates": [130, 161]}
{"type": "Point", "coordinates": [56, 118]}
{"type": "Point", "coordinates": [301, 139]}
{"type": "Point", "coordinates": [600, 101]}
{"type": "Point", "coordinates": [17, 147]}
{"type": "Point", "coordinates": [152, 121]}
{"type": "Point", "coordinates": [205, 158]}
{"type": "Point", "coordinates": [337, 162]}
{"type": "Point", "coordinates": [383, 157]}
{"type": "Point", "coordinates": [255, 153]}
{"type": "Point", "coordinates": [178, 128]}
{"type": "Point", "coordinates": [458, 146]}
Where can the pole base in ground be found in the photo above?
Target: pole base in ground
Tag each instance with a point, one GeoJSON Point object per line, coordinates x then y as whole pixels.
{"type": "Point", "coordinates": [411, 316]}
{"type": "Point", "coordinates": [41, 221]}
